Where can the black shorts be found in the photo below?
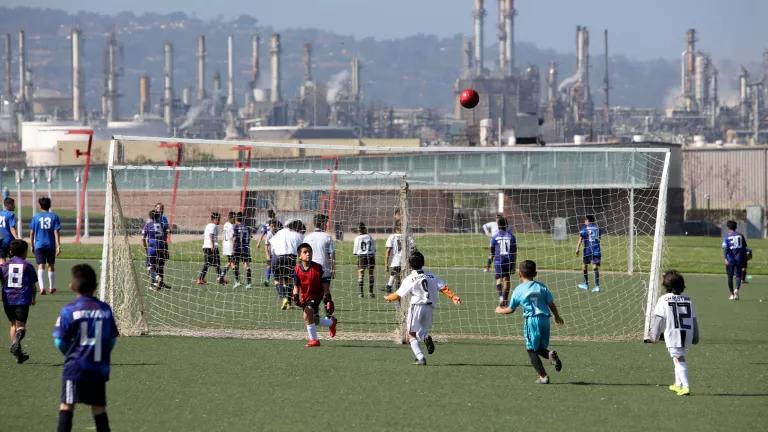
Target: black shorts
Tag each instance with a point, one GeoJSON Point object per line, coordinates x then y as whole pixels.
{"type": "Point", "coordinates": [366, 261]}
{"type": "Point", "coordinates": [241, 257]}
{"type": "Point", "coordinates": [230, 259]}
{"type": "Point", "coordinates": [5, 252]}
{"type": "Point", "coordinates": [212, 257]}
{"type": "Point", "coordinates": [315, 304]}
{"type": "Point", "coordinates": [16, 312]}
{"type": "Point", "coordinates": [85, 392]}
{"type": "Point", "coordinates": [736, 269]}
{"type": "Point", "coordinates": [45, 256]}
{"type": "Point", "coordinates": [394, 271]}
{"type": "Point", "coordinates": [591, 259]}
{"type": "Point", "coordinates": [282, 266]}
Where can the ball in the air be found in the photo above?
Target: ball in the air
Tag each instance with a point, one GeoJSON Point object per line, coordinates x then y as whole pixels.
{"type": "Point", "coordinates": [469, 98]}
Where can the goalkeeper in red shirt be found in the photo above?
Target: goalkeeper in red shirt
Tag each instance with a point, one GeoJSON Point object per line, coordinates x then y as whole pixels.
{"type": "Point", "coordinates": [309, 293]}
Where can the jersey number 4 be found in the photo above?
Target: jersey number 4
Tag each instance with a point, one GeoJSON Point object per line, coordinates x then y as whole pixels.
{"type": "Point", "coordinates": [94, 341]}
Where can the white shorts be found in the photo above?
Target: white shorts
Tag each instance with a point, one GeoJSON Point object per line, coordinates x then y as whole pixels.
{"type": "Point", "coordinates": [420, 320]}
{"type": "Point", "coordinates": [226, 249]}
{"type": "Point", "coordinates": [677, 352]}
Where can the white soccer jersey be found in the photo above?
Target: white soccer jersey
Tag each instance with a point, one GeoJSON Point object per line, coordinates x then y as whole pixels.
{"type": "Point", "coordinates": [226, 242]}
{"type": "Point", "coordinates": [395, 242]}
{"type": "Point", "coordinates": [422, 286]}
{"type": "Point", "coordinates": [286, 242]}
{"type": "Point", "coordinates": [322, 248]}
{"type": "Point", "coordinates": [364, 245]}
{"type": "Point", "coordinates": [491, 228]}
{"type": "Point", "coordinates": [267, 238]}
{"type": "Point", "coordinates": [678, 314]}
{"type": "Point", "coordinates": [211, 230]}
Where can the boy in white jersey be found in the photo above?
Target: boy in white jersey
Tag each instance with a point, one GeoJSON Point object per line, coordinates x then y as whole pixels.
{"type": "Point", "coordinates": [675, 317]}
{"type": "Point", "coordinates": [394, 255]}
{"type": "Point", "coordinates": [422, 287]}
{"type": "Point", "coordinates": [228, 232]}
{"type": "Point", "coordinates": [323, 251]}
{"type": "Point", "coordinates": [273, 226]}
{"type": "Point", "coordinates": [365, 250]}
{"type": "Point", "coordinates": [211, 250]}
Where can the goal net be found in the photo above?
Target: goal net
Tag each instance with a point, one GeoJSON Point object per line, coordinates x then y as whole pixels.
{"type": "Point", "coordinates": [544, 194]}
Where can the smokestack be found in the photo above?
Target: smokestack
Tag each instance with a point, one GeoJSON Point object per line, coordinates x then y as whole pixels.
{"type": "Point", "coordinates": [765, 76]}
{"type": "Point", "coordinates": [275, 95]}
{"type": "Point", "coordinates": [112, 108]}
{"type": "Point", "coordinates": [186, 96]}
{"type": "Point", "coordinates": [355, 79]}
{"type": "Point", "coordinates": [478, 15]}
{"type": "Point", "coordinates": [144, 103]}
{"type": "Point", "coordinates": [502, 38]}
{"type": "Point", "coordinates": [689, 71]}
{"type": "Point", "coordinates": [230, 71]}
{"type": "Point", "coordinates": [702, 81]}
{"type": "Point", "coordinates": [255, 42]}
{"type": "Point", "coordinates": [28, 87]}
{"type": "Point", "coordinates": [78, 109]}
{"type": "Point", "coordinates": [8, 86]}
{"type": "Point", "coordinates": [216, 84]}
{"type": "Point", "coordinates": [715, 99]}
{"type": "Point", "coordinates": [168, 87]}
{"type": "Point", "coordinates": [552, 83]}
{"type": "Point", "coordinates": [743, 97]}
{"type": "Point", "coordinates": [607, 88]}
{"type": "Point", "coordinates": [201, 67]}
{"type": "Point", "coordinates": [307, 62]}
{"type": "Point", "coordinates": [22, 67]}
{"type": "Point", "coordinates": [509, 31]}
{"type": "Point", "coordinates": [467, 58]}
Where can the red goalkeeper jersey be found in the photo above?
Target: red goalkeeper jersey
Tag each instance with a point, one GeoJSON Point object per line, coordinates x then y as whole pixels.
{"type": "Point", "coordinates": [309, 281]}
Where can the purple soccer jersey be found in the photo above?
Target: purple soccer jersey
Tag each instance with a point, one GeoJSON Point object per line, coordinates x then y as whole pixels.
{"type": "Point", "coordinates": [19, 279]}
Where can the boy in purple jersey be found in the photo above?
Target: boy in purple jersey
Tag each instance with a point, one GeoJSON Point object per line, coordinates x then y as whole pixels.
{"type": "Point", "coordinates": [154, 238]}
{"type": "Point", "coordinates": [7, 228]}
{"type": "Point", "coordinates": [85, 333]}
{"type": "Point", "coordinates": [504, 255]}
{"type": "Point", "coordinates": [241, 250]}
{"type": "Point", "coordinates": [589, 235]}
{"type": "Point", "coordinates": [19, 279]}
{"type": "Point", "coordinates": [735, 258]}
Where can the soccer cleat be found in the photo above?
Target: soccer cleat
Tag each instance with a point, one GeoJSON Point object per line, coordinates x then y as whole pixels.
{"type": "Point", "coordinates": [236, 284]}
{"type": "Point", "coordinates": [332, 327]}
{"type": "Point", "coordinates": [555, 360]}
{"type": "Point", "coordinates": [684, 391]}
{"type": "Point", "coordinates": [430, 344]}
{"type": "Point", "coordinates": [371, 295]}
{"type": "Point", "coordinates": [266, 283]}
{"type": "Point", "coordinates": [21, 357]}
{"type": "Point", "coordinates": [248, 286]}
{"type": "Point", "coordinates": [312, 343]}
{"type": "Point", "coordinates": [542, 380]}
{"type": "Point", "coordinates": [583, 286]}
{"type": "Point", "coordinates": [42, 291]}
{"type": "Point", "coordinates": [51, 290]}
{"type": "Point", "coordinates": [736, 294]}
{"type": "Point", "coordinates": [731, 297]}
{"type": "Point", "coordinates": [199, 281]}
{"type": "Point", "coordinates": [675, 388]}
{"type": "Point", "coordinates": [154, 286]}
{"type": "Point", "coordinates": [422, 362]}
{"type": "Point", "coordinates": [286, 304]}
{"type": "Point", "coordinates": [221, 280]}
{"type": "Point", "coordinates": [596, 288]}
{"type": "Point", "coordinates": [14, 348]}
{"type": "Point", "coordinates": [361, 295]}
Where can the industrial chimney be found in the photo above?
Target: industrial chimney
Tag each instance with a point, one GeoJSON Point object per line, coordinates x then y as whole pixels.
{"type": "Point", "coordinates": [275, 95]}
{"type": "Point", "coordinates": [255, 42]}
{"type": "Point", "coordinates": [201, 67]}
{"type": "Point", "coordinates": [307, 62]}
{"type": "Point", "coordinates": [78, 109]}
{"type": "Point", "coordinates": [509, 32]}
{"type": "Point", "coordinates": [144, 101]}
{"type": "Point", "coordinates": [168, 88]}
{"type": "Point", "coordinates": [689, 70]}
{"type": "Point", "coordinates": [230, 72]}
{"type": "Point", "coordinates": [111, 92]}
{"type": "Point", "coordinates": [478, 15]}
{"type": "Point", "coordinates": [8, 86]}
{"type": "Point", "coordinates": [355, 79]}
{"type": "Point", "coordinates": [502, 35]}
{"type": "Point", "coordinates": [467, 62]}
{"type": "Point", "coordinates": [22, 67]}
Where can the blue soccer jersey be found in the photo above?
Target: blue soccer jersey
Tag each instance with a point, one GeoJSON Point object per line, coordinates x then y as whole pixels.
{"type": "Point", "coordinates": [85, 332]}
{"type": "Point", "coordinates": [503, 246]}
{"type": "Point", "coordinates": [7, 221]}
{"type": "Point", "coordinates": [590, 234]}
{"type": "Point", "coordinates": [735, 247]}
{"type": "Point", "coordinates": [19, 279]}
{"type": "Point", "coordinates": [242, 239]}
{"type": "Point", "coordinates": [534, 297]}
{"type": "Point", "coordinates": [156, 235]}
{"type": "Point", "coordinates": [44, 225]}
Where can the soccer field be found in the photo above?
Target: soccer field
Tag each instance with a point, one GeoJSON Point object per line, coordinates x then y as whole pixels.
{"type": "Point", "coordinates": [203, 384]}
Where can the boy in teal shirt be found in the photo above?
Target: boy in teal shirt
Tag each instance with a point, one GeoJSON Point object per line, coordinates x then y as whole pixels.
{"type": "Point", "coordinates": [538, 304]}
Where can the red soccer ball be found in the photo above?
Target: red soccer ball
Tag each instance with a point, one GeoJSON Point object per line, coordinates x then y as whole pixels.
{"type": "Point", "coordinates": [469, 98]}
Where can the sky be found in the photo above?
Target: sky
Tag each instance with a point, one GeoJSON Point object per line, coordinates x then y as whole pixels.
{"type": "Point", "coordinates": [648, 29]}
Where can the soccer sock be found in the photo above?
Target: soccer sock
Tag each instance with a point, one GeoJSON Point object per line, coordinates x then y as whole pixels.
{"type": "Point", "coordinates": [730, 283]}
{"type": "Point", "coordinates": [102, 422]}
{"type": "Point", "coordinates": [543, 352]}
{"type": "Point", "coordinates": [236, 270]}
{"type": "Point", "coordinates": [312, 331]}
{"type": "Point", "coordinates": [279, 290]}
{"type": "Point", "coordinates": [416, 349]}
{"type": "Point", "coordinates": [203, 272]}
{"type": "Point", "coordinates": [677, 374]}
{"type": "Point", "coordinates": [389, 284]}
{"type": "Point", "coordinates": [536, 363]}
{"type": "Point", "coordinates": [51, 280]}
{"type": "Point", "coordinates": [152, 273]}
{"type": "Point", "coordinates": [40, 274]}
{"type": "Point", "coordinates": [498, 290]}
{"type": "Point", "coordinates": [326, 322]}
{"type": "Point", "coordinates": [597, 277]}
{"type": "Point", "coordinates": [488, 263]}
{"type": "Point", "coordinates": [219, 273]}
{"type": "Point", "coordinates": [360, 285]}
{"type": "Point", "coordinates": [65, 421]}
{"type": "Point", "coordinates": [371, 282]}
{"type": "Point", "coordinates": [738, 283]}
{"type": "Point", "coordinates": [682, 368]}
{"type": "Point", "coordinates": [248, 275]}
{"type": "Point", "coordinates": [267, 272]}
{"type": "Point", "coordinates": [20, 333]}
{"type": "Point", "coordinates": [224, 272]}
{"type": "Point", "coordinates": [586, 277]}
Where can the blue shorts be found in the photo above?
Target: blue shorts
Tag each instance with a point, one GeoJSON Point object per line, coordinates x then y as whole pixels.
{"type": "Point", "coordinates": [503, 268]}
{"type": "Point", "coordinates": [536, 332]}
{"type": "Point", "coordinates": [45, 256]}
{"type": "Point", "coordinates": [591, 259]}
{"type": "Point", "coordinates": [5, 251]}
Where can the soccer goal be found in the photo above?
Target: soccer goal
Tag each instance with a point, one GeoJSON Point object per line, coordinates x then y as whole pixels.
{"type": "Point", "coordinates": [438, 197]}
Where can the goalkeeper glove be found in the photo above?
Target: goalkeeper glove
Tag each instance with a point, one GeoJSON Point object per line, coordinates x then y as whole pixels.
{"type": "Point", "coordinates": [296, 299]}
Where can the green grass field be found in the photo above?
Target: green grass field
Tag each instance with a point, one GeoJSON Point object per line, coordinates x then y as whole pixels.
{"type": "Point", "coordinates": [206, 384]}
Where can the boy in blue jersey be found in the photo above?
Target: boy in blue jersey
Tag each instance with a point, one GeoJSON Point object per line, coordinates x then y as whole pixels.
{"type": "Point", "coordinates": [241, 250]}
{"type": "Point", "coordinates": [85, 333]}
{"type": "Point", "coordinates": [154, 238]}
{"type": "Point", "coordinates": [590, 236]}
{"type": "Point", "coordinates": [537, 303]}
{"type": "Point", "coordinates": [19, 280]}
{"type": "Point", "coordinates": [504, 255]}
{"type": "Point", "coordinates": [46, 242]}
{"type": "Point", "coordinates": [735, 258]}
{"type": "Point", "coordinates": [7, 228]}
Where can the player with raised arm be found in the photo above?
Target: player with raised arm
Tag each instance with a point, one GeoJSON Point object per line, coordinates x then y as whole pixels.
{"type": "Point", "coordinates": [154, 238]}
{"type": "Point", "coordinates": [85, 333]}
{"type": "Point", "coordinates": [7, 228]}
{"type": "Point", "coordinates": [490, 229]}
{"type": "Point", "coordinates": [45, 239]}
{"type": "Point", "coordinates": [308, 291]}
{"type": "Point", "coordinates": [589, 235]}
{"type": "Point", "coordinates": [735, 257]}
{"type": "Point", "coordinates": [211, 251]}
{"type": "Point", "coordinates": [323, 249]}
{"type": "Point", "coordinates": [394, 256]}
{"type": "Point", "coordinates": [422, 287]}
{"type": "Point", "coordinates": [675, 318]}
{"type": "Point", "coordinates": [285, 244]}
{"type": "Point", "coordinates": [241, 247]}
{"type": "Point", "coordinates": [19, 279]}
{"type": "Point", "coordinates": [538, 304]}
{"type": "Point", "coordinates": [504, 255]}
{"type": "Point", "coordinates": [228, 232]}
{"type": "Point", "coordinates": [365, 250]}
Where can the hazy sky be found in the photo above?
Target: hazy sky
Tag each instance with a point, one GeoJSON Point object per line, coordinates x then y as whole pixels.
{"type": "Point", "coordinates": [734, 29]}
